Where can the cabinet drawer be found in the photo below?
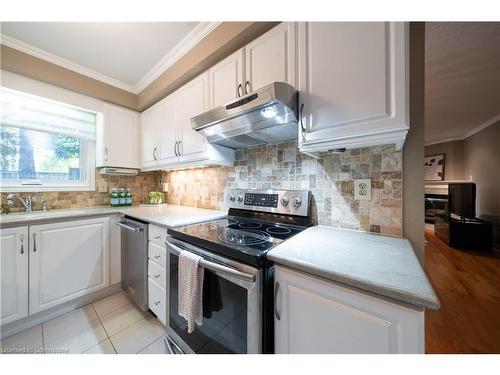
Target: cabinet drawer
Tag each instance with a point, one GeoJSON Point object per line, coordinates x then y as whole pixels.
{"type": "Point", "coordinates": [157, 234]}
{"type": "Point", "coordinates": [157, 297]}
{"type": "Point", "coordinates": [157, 254]}
{"type": "Point", "coordinates": [157, 273]}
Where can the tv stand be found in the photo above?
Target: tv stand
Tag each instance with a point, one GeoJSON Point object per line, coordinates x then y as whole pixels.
{"type": "Point", "coordinates": [464, 233]}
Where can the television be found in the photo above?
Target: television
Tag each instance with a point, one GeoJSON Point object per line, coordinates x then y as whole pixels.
{"type": "Point", "coordinates": [462, 199]}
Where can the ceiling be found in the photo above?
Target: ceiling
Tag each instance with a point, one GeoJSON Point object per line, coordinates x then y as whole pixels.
{"type": "Point", "coordinates": [462, 78]}
{"type": "Point", "coordinates": [120, 53]}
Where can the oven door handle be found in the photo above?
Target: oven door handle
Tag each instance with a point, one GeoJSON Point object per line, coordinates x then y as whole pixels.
{"type": "Point", "coordinates": [214, 266]}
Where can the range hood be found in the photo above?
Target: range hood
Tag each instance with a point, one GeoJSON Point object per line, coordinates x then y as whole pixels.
{"type": "Point", "coordinates": [268, 115]}
{"type": "Point", "coordinates": [119, 171]}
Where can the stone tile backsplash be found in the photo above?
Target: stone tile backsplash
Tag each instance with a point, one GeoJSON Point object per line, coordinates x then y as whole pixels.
{"type": "Point", "coordinates": [330, 179]}
{"type": "Point", "coordinates": [141, 185]}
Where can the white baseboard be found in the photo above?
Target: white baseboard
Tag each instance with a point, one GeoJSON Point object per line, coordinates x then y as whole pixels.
{"type": "Point", "coordinates": [43, 316]}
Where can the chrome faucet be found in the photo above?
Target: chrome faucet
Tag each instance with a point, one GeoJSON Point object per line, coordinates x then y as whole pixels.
{"type": "Point", "coordinates": [27, 203]}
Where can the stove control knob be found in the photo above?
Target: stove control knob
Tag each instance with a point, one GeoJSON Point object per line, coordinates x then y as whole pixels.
{"type": "Point", "coordinates": [297, 202]}
{"type": "Point", "coordinates": [240, 198]}
{"type": "Point", "coordinates": [284, 201]}
{"type": "Point", "coordinates": [231, 198]}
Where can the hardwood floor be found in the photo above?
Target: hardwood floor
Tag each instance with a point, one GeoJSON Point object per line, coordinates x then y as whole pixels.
{"type": "Point", "coordinates": [468, 286]}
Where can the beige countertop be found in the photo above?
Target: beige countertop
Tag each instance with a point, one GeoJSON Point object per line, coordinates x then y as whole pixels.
{"type": "Point", "coordinates": [379, 264]}
{"type": "Point", "coordinates": [166, 215]}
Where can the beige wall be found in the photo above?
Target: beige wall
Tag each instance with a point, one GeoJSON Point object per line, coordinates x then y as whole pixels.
{"type": "Point", "coordinates": [29, 66]}
{"type": "Point", "coordinates": [482, 165]}
{"type": "Point", "coordinates": [218, 44]}
{"type": "Point", "coordinates": [413, 151]}
{"type": "Point", "coordinates": [453, 159]}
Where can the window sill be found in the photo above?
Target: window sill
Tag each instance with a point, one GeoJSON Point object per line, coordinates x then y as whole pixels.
{"type": "Point", "coordinates": [41, 188]}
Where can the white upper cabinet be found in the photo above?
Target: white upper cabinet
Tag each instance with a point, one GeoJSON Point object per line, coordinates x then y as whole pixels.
{"type": "Point", "coordinates": [271, 58]}
{"type": "Point", "coordinates": [194, 100]}
{"type": "Point", "coordinates": [169, 140]}
{"type": "Point", "coordinates": [67, 260]}
{"type": "Point", "coordinates": [353, 84]}
{"type": "Point", "coordinates": [226, 79]}
{"type": "Point", "coordinates": [14, 252]}
{"type": "Point", "coordinates": [151, 122]}
{"type": "Point", "coordinates": [168, 130]}
{"type": "Point", "coordinates": [314, 316]}
{"type": "Point", "coordinates": [118, 134]}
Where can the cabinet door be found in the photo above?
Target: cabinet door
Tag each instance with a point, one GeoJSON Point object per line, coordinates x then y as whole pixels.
{"type": "Point", "coordinates": [316, 316]}
{"type": "Point", "coordinates": [150, 123]}
{"type": "Point", "coordinates": [168, 129]}
{"type": "Point", "coordinates": [121, 131]}
{"type": "Point", "coordinates": [272, 57]}
{"type": "Point", "coordinates": [356, 87]}
{"type": "Point", "coordinates": [67, 260]}
{"type": "Point", "coordinates": [14, 253]}
{"type": "Point", "coordinates": [193, 101]}
{"type": "Point", "coordinates": [226, 78]}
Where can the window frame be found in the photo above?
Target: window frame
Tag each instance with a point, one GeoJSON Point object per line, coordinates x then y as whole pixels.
{"type": "Point", "coordinates": [87, 168]}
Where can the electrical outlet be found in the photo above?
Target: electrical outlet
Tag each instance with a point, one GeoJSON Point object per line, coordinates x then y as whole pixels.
{"type": "Point", "coordinates": [165, 187]}
{"type": "Point", "coordinates": [363, 189]}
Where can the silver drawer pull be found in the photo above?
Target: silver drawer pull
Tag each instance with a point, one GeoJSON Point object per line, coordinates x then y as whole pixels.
{"type": "Point", "coordinates": [157, 237]}
{"type": "Point", "coordinates": [156, 276]}
{"type": "Point", "coordinates": [157, 303]}
{"type": "Point", "coordinates": [157, 256]}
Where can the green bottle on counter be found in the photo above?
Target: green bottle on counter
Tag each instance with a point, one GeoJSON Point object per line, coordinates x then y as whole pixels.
{"type": "Point", "coordinates": [114, 200]}
{"type": "Point", "coordinates": [123, 197]}
{"type": "Point", "coordinates": [128, 197]}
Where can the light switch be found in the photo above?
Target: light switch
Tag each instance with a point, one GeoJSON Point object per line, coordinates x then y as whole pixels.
{"type": "Point", "coordinates": [363, 189]}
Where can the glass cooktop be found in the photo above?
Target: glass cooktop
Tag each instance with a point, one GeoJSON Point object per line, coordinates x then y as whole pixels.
{"type": "Point", "coordinates": [237, 238]}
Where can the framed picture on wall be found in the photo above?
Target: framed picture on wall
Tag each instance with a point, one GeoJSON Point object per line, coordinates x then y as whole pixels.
{"type": "Point", "coordinates": [434, 167]}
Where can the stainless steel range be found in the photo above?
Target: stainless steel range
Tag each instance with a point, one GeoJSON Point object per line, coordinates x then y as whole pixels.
{"type": "Point", "coordinates": [237, 291]}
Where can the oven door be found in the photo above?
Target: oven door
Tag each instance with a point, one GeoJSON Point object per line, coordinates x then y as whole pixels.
{"type": "Point", "coordinates": [232, 305]}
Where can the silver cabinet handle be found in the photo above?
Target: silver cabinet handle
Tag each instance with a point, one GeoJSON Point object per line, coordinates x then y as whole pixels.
{"type": "Point", "coordinates": [247, 87]}
{"type": "Point", "coordinates": [301, 115]}
{"type": "Point", "coordinates": [156, 276]}
{"type": "Point", "coordinates": [105, 153]}
{"type": "Point", "coordinates": [156, 303]}
{"type": "Point", "coordinates": [157, 237]}
{"type": "Point", "coordinates": [240, 90]}
{"type": "Point", "coordinates": [276, 290]}
{"type": "Point", "coordinates": [154, 154]}
{"type": "Point", "coordinates": [157, 256]}
{"type": "Point", "coordinates": [127, 227]}
{"type": "Point", "coordinates": [179, 147]}
{"type": "Point", "coordinates": [34, 242]}
{"type": "Point", "coordinates": [21, 237]}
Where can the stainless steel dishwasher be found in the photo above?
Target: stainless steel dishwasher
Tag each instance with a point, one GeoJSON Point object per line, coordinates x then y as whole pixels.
{"type": "Point", "coordinates": [134, 239]}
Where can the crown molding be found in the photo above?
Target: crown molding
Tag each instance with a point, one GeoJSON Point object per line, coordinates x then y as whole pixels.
{"type": "Point", "coordinates": [470, 133]}
{"type": "Point", "coordinates": [67, 64]}
{"type": "Point", "coordinates": [187, 43]}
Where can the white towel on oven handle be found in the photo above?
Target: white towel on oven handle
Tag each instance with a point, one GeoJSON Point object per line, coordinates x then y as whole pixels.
{"type": "Point", "coordinates": [190, 289]}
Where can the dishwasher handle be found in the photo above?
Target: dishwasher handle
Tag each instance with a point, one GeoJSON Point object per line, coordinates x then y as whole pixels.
{"type": "Point", "coordinates": [130, 228]}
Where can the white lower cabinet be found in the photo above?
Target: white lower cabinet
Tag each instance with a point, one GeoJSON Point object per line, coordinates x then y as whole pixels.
{"type": "Point", "coordinates": [157, 297]}
{"type": "Point", "coordinates": [157, 272]}
{"type": "Point", "coordinates": [313, 315]}
{"type": "Point", "coordinates": [14, 274]}
{"type": "Point", "coordinates": [67, 260]}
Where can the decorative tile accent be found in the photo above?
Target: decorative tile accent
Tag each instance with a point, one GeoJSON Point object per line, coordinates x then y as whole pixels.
{"type": "Point", "coordinates": [141, 185]}
{"type": "Point", "coordinates": [330, 179]}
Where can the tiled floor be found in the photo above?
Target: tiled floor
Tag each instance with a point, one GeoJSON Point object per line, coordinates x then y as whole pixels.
{"type": "Point", "coordinates": [108, 326]}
